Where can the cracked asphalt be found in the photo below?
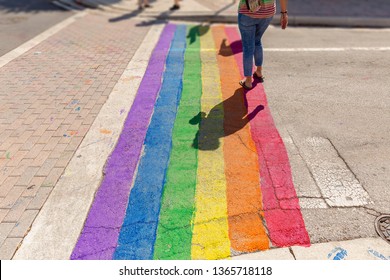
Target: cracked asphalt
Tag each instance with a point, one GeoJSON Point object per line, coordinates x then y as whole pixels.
{"type": "Point", "coordinates": [332, 107]}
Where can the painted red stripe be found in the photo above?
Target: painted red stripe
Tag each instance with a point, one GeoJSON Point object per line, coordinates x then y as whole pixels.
{"type": "Point", "coordinates": [281, 206]}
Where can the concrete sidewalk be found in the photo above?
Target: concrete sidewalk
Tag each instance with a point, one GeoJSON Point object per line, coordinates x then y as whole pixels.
{"type": "Point", "coordinates": [349, 13]}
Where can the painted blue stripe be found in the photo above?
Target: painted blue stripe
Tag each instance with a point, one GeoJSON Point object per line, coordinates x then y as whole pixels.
{"type": "Point", "coordinates": [139, 229]}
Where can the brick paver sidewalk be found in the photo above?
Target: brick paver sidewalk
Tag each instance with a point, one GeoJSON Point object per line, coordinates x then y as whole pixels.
{"type": "Point", "coordinates": [49, 97]}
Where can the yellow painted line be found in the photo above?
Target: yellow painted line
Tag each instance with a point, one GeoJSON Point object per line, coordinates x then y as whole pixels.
{"type": "Point", "coordinates": [210, 232]}
{"type": "Point", "coordinates": [244, 197]}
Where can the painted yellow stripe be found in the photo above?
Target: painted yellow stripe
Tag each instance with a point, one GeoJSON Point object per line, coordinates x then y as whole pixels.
{"type": "Point", "coordinates": [244, 197]}
{"type": "Point", "coordinates": [210, 232]}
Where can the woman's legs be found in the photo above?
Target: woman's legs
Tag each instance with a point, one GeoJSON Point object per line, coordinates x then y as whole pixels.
{"type": "Point", "coordinates": [175, 6]}
{"type": "Point", "coordinates": [247, 26]}
{"type": "Point", "coordinates": [261, 27]}
{"type": "Point", "coordinates": [143, 4]}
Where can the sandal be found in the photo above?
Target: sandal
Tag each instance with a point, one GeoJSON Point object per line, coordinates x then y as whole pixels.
{"type": "Point", "coordinates": [242, 83]}
{"type": "Point", "coordinates": [259, 78]}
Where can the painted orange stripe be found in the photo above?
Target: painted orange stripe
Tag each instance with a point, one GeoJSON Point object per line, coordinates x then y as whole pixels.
{"type": "Point", "coordinates": [282, 213]}
{"type": "Point", "coordinates": [246, 230]}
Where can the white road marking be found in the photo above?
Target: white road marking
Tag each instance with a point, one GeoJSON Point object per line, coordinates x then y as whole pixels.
{"type": "Point", "coordinates": [321, 49]}
{"type": "Point", "coordinates": [338, 185]}
{"type": "Point", "coordinates": [15, 53]}
{"type": "Point", "coordinates": [312, 203]}
{"type": "Point", "coordinates": [307, 190]}
{"type": "Point", "coordinates": [341, 49]}
{"type": "Point", "coordinates": [56, 229]}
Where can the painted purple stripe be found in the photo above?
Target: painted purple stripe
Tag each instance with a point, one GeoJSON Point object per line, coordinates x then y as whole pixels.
{"type": "Point", "coordinates": [99, 237]}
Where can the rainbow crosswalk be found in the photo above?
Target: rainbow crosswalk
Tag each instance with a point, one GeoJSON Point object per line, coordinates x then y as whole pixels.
{"type": "Point", "coordinates": [200, 170]}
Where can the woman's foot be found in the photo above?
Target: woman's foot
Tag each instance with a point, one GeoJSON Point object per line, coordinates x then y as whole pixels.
{"type": "Point", "coordinates": [258, 76]}
{"type": "Point", "coordinates": [147, 6]}
{"type": "Point", "coordinates": [246, 84]}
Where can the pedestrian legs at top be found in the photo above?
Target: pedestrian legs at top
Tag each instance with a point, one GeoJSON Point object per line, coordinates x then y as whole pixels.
{"type": "Point", "coordinates": [252, 26]}
{"type": "Point", "coordinates": [175, 6]}
{"type": "Point", "coordinates": [143, 4]}
{"type": "Point", "coordinates": [252, 29]}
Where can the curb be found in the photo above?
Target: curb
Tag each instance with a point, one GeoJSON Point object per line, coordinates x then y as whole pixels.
{"type": "Point", "coordinates": [211, 17]}
{"type": "Point", "coordinates": [339, 21]}
{"type": "Point", "coordinates": [293, 20]}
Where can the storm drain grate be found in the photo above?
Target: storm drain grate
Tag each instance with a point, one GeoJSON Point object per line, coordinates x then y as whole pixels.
{"type": "Point", "coordinates": [382, 226]}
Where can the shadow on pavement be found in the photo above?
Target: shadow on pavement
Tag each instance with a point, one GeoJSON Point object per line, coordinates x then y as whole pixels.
{"type": "Point", "coordinates": [152, 22]}
{"type": "Point", "coordinates": [126, 16]}
{"type": "Point", "coordinates": [229, 50]}
{"type": "Point", "coordinates": [135, 13]}
{"type": "Point", "coordinates": [28, 6]}
{"type": "Point", "coordinates": [197, 31]}
{"type": "Point", "coordinates": [224, 119]}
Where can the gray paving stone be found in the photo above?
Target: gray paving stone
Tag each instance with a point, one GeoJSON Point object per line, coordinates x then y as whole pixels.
{"type": "Point", "coordinates": [22, 226]}
{"type": "Point", "coordinates": [9, 247]}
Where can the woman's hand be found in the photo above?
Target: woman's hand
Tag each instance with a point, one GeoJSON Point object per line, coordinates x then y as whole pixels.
{"type": "Point", "coordinates": [284, 20]}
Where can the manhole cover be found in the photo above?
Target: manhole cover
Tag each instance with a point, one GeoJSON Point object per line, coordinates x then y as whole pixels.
{"type": "Point", "coordinates": [382, 226]}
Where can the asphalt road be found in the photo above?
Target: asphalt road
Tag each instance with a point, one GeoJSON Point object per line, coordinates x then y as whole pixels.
{"type": "Point", "coordinates": [21, 20]}
{"type": "Point", "coordinates": [329, 95]}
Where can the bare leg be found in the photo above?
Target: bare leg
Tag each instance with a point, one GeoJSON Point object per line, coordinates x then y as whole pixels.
{"type": "Point", "coordinates": [176, 5]}
{"type": "Point", "coordinates": [258, 71]}
{"type": "Point", "coordinates": [146, 4]}
{"type": "Point", "coordinates": [247, 81]}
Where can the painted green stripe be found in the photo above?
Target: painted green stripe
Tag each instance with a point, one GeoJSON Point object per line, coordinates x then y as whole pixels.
{"type": "Point", "coordinates": [174, 233]}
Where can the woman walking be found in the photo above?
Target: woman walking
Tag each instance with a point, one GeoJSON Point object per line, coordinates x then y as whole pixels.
{"type": "Point", "coordinates": [176, 5]}
{"type": "Point", "coordinates": [142, 4]}
{"type": "Point", "coordinates": [252, 25]}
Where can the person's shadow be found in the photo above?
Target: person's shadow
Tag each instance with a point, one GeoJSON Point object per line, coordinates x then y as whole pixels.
{"type": "Point", "coordinates": [197, 31]}
{"type": "Point", "coordinates": [232, 49]}
{"type": "Point", "coordinates": [224, 119]}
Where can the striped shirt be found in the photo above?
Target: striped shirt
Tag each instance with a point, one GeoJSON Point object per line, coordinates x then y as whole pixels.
{"type": "Point", "coordinates": [267, 9]}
